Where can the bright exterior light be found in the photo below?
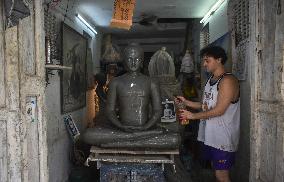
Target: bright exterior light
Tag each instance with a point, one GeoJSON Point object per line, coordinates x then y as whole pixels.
{"type": "Point", "coordinates": [86, 23]}
{"type": "Point", "coordinates": [212, 10]}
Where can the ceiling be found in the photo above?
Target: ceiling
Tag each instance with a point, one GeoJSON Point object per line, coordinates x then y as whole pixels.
{"type": "Point", "coordinates": [99, 12]}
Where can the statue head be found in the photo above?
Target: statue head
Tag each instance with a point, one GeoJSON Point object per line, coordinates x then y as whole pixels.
{"type": "Point", "coordinates": [133, 57]}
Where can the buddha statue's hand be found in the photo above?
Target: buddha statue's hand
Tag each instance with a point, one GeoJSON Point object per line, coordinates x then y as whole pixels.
{"type": "Point", "coordinates": [128, 129]}
{"type": "Point", "coordinates": [133, 128]}
{"type": "Point", "coordinates": [147, 126]}
{"type": "Point", "coordinates": [138, 128]}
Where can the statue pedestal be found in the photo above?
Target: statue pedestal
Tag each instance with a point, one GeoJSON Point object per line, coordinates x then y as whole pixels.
{"type": "Point", "coordinates": [131, 165]}
{"type": "Point", "coordinates": [131, 172]}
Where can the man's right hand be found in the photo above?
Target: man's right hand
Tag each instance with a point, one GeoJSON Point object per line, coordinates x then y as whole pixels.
{"type": "Point", "coordinates": [179, 99]}
{"type": "Point", "coordinates": [193, 105]}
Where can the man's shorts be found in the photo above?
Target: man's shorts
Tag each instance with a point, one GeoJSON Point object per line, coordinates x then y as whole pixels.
{"type": "Point", "coordinates": [221, 160]}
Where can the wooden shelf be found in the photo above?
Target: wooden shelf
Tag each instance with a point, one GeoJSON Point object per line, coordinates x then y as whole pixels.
{"type": "Point", "coordinates": [148, 159]}
{"type": "Point", "coordinates": [57, 67]}
{"type": "Point", "coordinates": [95, 149]}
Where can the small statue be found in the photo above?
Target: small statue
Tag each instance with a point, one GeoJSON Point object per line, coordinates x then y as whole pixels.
{"type": "Point", "coordinates": [167, 112]}
{"type": "Point", "coordinates": [133, 109]}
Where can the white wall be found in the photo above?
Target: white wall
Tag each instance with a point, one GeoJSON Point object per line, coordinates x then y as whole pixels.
{"type": "Point", "coordinates": [218, 22]}
{"type": "Point", "coordinates": [174, 45]}
{"type": "Point", "coordinates": [59, 143]}
{"type": "Point", "coordinates": [218, 26]}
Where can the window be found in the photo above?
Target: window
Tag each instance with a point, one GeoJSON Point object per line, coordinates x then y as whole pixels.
{"type": "Point", "coordinates": [241, 20]}
{"type": "Point", "coordinates": [204, 36]}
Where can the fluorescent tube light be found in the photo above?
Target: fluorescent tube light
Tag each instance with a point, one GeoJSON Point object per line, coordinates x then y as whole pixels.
{"type": "Point", "coordinates": [86, 23]}
{"type": "Point", "coordinates": [212, 10]}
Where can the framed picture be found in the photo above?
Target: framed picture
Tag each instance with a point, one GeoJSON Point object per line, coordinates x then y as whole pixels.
{"type": "Point", "coordinates": [73, 80]}
{"type": "Point", "coordinates": [71, 127]}
{"type": "Point", "coordinates": [31, 109]}
{"type": "Point", "coordinates": [168, 112]}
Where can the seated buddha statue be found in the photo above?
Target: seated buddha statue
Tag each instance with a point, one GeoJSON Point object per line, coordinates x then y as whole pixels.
{"type": "Point", "coordinates": [133, 109]}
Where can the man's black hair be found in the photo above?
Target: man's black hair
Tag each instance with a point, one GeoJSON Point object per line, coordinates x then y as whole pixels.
{"type": "Point", "coordinates": [215, 52]}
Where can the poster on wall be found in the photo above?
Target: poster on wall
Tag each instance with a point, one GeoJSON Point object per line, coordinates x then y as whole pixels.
{"type": "Point", "coordinates": [239, 56]}
{"type": "Point", "coordinates": [31, 109]}
{"type": "Point", "coordinates": [71, 127]}
{"type": "Point", "coordinates": [169, 113]}
{"type": "Point", "coordinates": [73, 81]}
{"type": "Point", "coordinates": [225, 43]}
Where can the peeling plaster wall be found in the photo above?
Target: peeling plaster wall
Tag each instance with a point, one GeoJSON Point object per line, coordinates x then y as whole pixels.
{"type": "Point", "coordinates": [267, 126]}
{"type": "Point", "coordinates": [23, 147]}
{"type": "Point", "coordinates": [59, 142]}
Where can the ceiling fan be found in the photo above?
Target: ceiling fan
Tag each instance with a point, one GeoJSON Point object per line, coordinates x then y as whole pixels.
{"type": "Point", "coordinates": [146, 20]}
{"type": "Point", "coordinates": [151, 20]}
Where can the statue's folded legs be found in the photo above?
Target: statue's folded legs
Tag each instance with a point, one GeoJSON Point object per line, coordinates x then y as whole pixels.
{"type": "Point", "coordinates": [108, 138]}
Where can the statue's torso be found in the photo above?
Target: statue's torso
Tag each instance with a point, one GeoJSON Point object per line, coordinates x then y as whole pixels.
{"type": "Point", "coordinates": [133, 99]}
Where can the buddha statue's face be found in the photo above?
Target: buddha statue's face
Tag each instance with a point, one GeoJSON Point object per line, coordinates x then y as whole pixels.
{"type": "Point", "coordinates": [133, 58]}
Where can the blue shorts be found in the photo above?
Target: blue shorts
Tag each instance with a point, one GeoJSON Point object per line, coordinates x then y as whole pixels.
{"type": "Point", "coordinates": [221, 160]}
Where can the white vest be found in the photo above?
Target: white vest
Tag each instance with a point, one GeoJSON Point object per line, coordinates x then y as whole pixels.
{"type": "Point", "coordinates": [221, 132]}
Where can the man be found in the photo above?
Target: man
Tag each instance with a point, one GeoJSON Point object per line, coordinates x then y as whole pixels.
{"type": "Point", "coordinates": [220, 117]}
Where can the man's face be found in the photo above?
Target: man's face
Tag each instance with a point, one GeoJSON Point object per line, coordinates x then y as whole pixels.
{"type": "Point", "coordinates": [210, 63]}
{"type": "Point", "coordinates": [133, 59]}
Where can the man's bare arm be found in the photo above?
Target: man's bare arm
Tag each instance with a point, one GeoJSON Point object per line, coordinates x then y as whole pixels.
{"type": "Point", "coordinates": [228, 91]}
{"type": "Point", "coordinates": [191, 104]}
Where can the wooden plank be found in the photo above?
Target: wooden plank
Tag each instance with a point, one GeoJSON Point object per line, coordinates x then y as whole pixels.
{"type": "Point", "coordinates": [38, 12]}
{"type": "Point", "coordinates": [12, 71]}
{"type": "Point", "coordinates": [26, 45]}
{"type": "Point", "coordinates": [33, 152]}
{"type": "Point", "coordinates": [30, 139]}
{"type": "Point", "coordinates": [95, 149]}
{"type": "Point", "coordinates": [39, 38]}
{"type": "Point", "coordinates": [3, 151]}
{"type": "Point", "coordinates": [2, 58]}
{"type": "Point", "coordinates": [58, 67]}
{"type": "Point", "coordinates": [268, 154]}
{"type": "Point", "coordinates": [14, 147]}
{"type": "Point", "coordinates": [156, 159]}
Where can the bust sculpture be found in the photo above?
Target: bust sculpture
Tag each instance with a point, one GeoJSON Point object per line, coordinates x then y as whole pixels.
{"type": "Point", "coordinates": [133, 109]}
